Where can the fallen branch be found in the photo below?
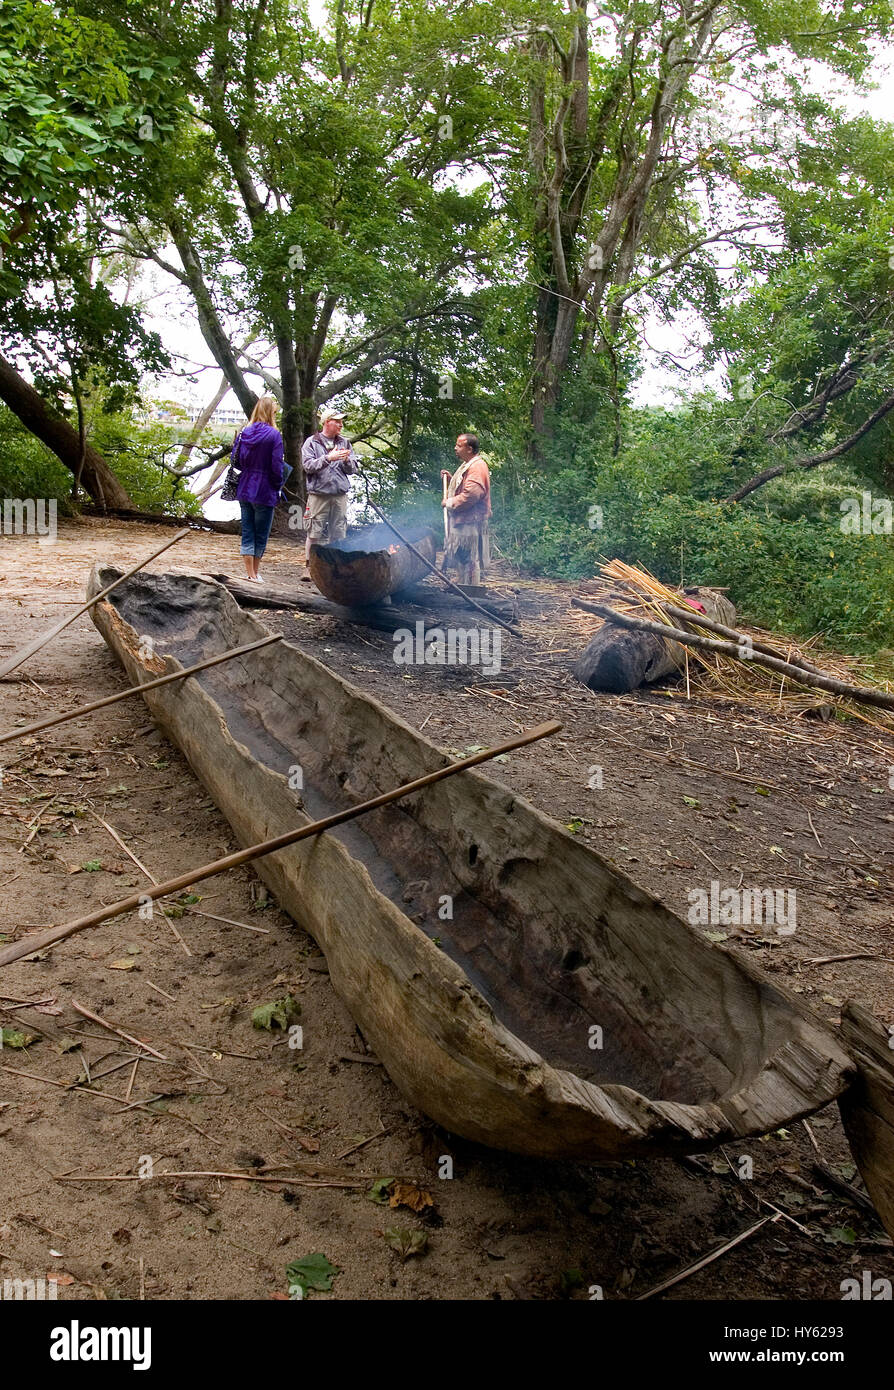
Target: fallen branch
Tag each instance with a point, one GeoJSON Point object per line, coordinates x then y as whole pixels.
{"type": "Point", "coordinates": [864, 694]}
{"type": "Point", "coordinates": [702, 620]}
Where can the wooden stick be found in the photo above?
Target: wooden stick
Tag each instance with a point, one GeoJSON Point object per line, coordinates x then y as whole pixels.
{"type": "Point", "coordinates": [158, 990]}
{"type": "Point", "coordinates": [249, 1175]}
{"type": "Point", "coordinates": [850, 955]}
{"type": "Point", "coordinates": [143, 870]}
{"type": "Point", "coordinates": [14, 662]}
{"type": "Point", "coordinates": [53, 719]}
{"type": "Point", "coordinates": [95, 1018]}
{"type": "Point", "coordinates": [230, 921]}
{"type": "Point", "coordinates": [837, 1184]}
{"type": "Point", "coordinates": [708, 1259]}
{"type": "Point", "coordinates": [120, 843]}
{"type": "Point", "coordinates": [245, 856]}
{"type": "Point", "coordinates": [443, 577]}
{"type": "Point", "coordinates": [865, 694]}
{"type": "Point", "coordinates": [702, 620]}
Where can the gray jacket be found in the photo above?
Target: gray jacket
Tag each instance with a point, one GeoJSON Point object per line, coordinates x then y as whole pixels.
{"type": "Point", "coordinates": [323, 476]}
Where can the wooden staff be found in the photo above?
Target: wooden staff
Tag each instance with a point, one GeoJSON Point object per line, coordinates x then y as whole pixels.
{"type": "Point", "coordinates": [445, 481]}
{"type": "Point", "coordinates": [863, 693]}
{"type": "Point", "coordinates": [246, 856]}
{"type": "Point", "coordinates": [54, 719]}
{"type": "Point", "coordinates": [13, 662]}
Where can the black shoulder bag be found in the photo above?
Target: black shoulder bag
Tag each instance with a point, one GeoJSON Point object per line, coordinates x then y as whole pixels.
{"type": "Point", "coordinates": [228, 491]}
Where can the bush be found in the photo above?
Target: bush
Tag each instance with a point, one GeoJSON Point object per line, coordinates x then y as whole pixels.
{"type": "Point", "coordinates": [782, 552]}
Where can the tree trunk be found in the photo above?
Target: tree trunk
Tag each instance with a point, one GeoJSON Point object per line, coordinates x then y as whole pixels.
{"type": "Point", "coordinates": [36, 415]}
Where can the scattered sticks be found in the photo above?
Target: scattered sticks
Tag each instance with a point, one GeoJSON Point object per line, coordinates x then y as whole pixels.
{"type": "Point", "coordinates": [137, 1042]}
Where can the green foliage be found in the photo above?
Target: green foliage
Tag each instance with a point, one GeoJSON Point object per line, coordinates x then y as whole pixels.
{"type": "Point", "coordinates": [27, 468]}
{"type": "Point", "coordinates": [783, 554]}
{"type": "Point", "coordinates": [135, 448]}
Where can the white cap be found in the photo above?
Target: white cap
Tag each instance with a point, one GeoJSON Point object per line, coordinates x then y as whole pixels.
{"type": "Point", "coordinates": [332, 414]}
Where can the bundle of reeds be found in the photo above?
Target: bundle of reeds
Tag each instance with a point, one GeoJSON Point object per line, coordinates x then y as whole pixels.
{"type": "Point", "coordinates": [723, 676]}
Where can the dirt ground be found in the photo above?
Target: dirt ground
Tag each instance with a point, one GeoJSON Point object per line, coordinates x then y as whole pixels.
{"type": "Point", "coordinates": [692, 791]}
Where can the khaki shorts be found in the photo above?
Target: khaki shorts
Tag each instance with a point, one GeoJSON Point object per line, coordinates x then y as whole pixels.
{"type": "Point", "coordinates": [326, 517]}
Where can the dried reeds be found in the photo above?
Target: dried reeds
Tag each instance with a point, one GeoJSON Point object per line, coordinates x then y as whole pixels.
{"type": "Point", "coordinates": [724, 677]}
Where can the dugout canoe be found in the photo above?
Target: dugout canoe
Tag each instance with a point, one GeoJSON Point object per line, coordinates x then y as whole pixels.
{"type": "Point", "coordinates": [370, 565]}
{"type": "Point", "coordinates": [867, 1108]}
{"type": "Point", "coordinates": [561, 1011]}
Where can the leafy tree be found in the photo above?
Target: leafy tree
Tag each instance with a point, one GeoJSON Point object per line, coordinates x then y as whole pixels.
{"type": "Point", "coordinates": [75, 127]}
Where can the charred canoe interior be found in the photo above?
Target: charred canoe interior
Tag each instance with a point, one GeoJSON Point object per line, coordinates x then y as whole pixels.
{"type": "Point", "coordinates": [369, 565]}
{"type": "Point", "coordinates": [517, 986]}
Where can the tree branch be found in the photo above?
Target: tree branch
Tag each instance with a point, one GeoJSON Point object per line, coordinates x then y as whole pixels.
{"type": "Point", "coordinates": [814, 460]}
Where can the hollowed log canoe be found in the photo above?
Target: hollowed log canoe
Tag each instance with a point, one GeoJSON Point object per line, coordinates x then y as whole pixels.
{"type": "Point", "coordinates": [370, 565]}
{"type": "Point", "coordinates": [518, 987]}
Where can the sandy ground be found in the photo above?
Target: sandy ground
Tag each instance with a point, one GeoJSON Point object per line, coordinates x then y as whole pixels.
{"type": "Point", "coordinates": [691, 791]}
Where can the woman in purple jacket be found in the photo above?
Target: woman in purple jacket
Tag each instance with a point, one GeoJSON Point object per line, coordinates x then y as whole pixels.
{"type": "Point", "coordinates": [258, 456]}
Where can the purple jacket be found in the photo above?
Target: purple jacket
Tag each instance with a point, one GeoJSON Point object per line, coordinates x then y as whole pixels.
{"type": "Point", "coordinates": [258, 456]}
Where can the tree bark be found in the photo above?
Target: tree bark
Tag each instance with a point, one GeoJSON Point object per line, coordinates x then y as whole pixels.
{"type": "Point", "coordinates": [96, 477]}
{"type": "Point", "coordinates": [561, 181]}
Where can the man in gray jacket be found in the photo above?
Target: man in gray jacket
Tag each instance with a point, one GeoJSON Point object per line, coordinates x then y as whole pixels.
{"type": "Point", "coordinates": [328, 461]}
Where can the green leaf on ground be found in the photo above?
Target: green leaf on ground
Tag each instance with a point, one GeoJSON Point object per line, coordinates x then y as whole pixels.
{"type": "Point", "coordinates": [841, 1235]}
{"type": "Point", "coordinates": [14, 1037]}
{"type": "Point", "coordinates": [310, 1272]}
{"type": "Point", "coordinates": [278, 1014]}
{"type": "Point", "coordinates": [380, 1191]}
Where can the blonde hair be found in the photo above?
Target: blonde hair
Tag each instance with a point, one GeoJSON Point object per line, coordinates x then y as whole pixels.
{"type": "Point", "coordinates": [265, 411]}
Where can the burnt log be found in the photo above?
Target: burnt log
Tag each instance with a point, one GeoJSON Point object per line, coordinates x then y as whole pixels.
{"type": "Point", "coordinates": [617, 659]}
{"type": "Point", "coordinates": [369, 565]}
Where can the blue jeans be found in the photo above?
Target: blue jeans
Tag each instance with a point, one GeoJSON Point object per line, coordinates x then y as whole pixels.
{"type": "Point", "coordinates": [256, 523]}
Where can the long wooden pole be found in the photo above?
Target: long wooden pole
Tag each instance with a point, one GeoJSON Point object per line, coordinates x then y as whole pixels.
{"type": "Point", "coordinates": [865, 694]}
{"type": "Point", "coordinates": [245, 856]}
{"type": "Point", "coordinates": [702, 620]}
{"type": "Point", "coordinates": [13, 662]}
{"type": "Point", "coordinates": [437, 573]}
{"type": "Point", "coordinates": [54, 719]}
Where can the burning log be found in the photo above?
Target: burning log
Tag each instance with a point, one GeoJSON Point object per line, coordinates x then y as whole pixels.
{"type": "Point", "coordinates": [369, 565]}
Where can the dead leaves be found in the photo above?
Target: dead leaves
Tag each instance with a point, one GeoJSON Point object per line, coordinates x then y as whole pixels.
{"type": "Point", "coordinates": [405, 1242]}
{"type": "Point", "coordinates": [396, 1193]}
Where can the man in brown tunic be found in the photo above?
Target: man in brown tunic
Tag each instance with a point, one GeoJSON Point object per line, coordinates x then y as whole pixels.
{"type": "Point", "coordinates": [468, 512]}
